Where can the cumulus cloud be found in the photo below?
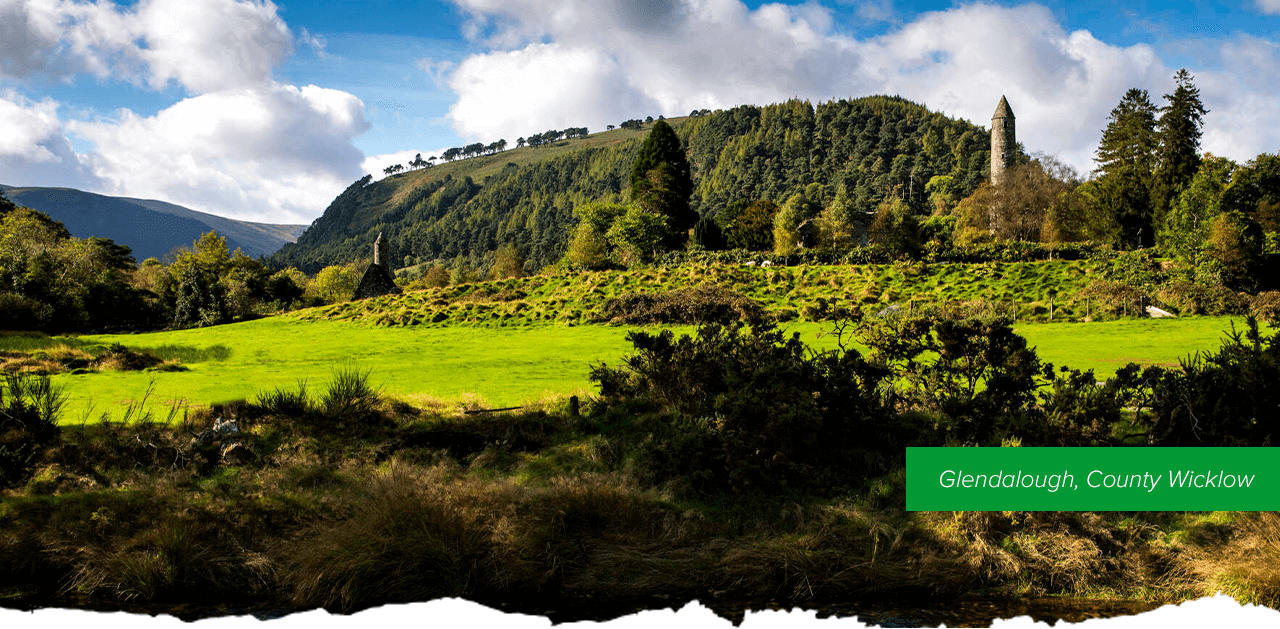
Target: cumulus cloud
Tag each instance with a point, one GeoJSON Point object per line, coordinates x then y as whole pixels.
{"type": "Point", "coordinates": [556, 63]}
{"type": "Point", "coordinates": [374, 164]}
{"type": "Point", "coordinates": [1270, 7]}
{"type": "Point", "coordinates": [203, 45]}
{"type": "Point", "coordinates": [241, 145]}
{"type": "Point", "coordinates": [34, 149]}
{"type": "Point", "coordinates": [1244, 113]}
{"type": "Point", "coordinates": [276, 154]}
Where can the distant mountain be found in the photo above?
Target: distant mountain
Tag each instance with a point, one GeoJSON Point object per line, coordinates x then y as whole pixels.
{"type": "Point", "coordinates": [869, 149]}
{"type": "Point", "coordinates": [150, 228]}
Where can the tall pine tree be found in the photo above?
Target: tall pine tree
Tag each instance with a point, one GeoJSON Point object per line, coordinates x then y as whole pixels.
{"type": "Point", "coordinates": [661, 180]}
{"type": "Point", "coordinates": [1178, 157]}
{"type": "Point", "coordinates": [1126, 167]}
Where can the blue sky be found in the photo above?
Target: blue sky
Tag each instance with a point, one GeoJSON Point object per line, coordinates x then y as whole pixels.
{"type": "Point", "coordinates": [265, 111]}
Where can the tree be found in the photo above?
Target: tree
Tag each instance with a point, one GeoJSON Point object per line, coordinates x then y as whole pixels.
{"type": "Point", "coordinates": [896, 227]}
{"type": "Point", "coordinates": [1018, 208]}
{"type": "Point", "coordinates": [1188, 221]}
{"type": "Point", "coordinates": [336, 283]}
{"type": "Point", "coordinates": [609, 127]}
{"type": "Point", "coordinates": [707, 234]}
{"type": "Point", "coordinates": [841, 225]}
{"type": "Point", "coordinates": [1126, 161]}
{"type": "Point", "coordinates": [637, 234]}
{"type": "Point", "coordinates": [1255, 190]}
{"type": "Point", "coordinates": [792, 226]}
{"type": "Point", "coordinates": [1236, 242]}
{"type": "Point", "coordinates": [661, 181]}
{"type": "Point", "coordinates": [507, 262]}
{"type": "Point", "coordinates": [753, 228]}
{"type": "Point", "coordinates": [1178, 156]}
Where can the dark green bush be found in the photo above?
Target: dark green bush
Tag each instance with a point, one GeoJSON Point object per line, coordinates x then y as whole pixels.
{"type": "Point", "coordinates": [1227, 398]}
{"type": "Point", "coordinates": [749, 409]}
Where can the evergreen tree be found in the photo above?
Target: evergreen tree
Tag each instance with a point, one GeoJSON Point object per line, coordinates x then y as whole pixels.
{"type": "Point", "coordinates": [661, 180]}
{"type": "Point", "coordinates": [1126, 165]}
{"type": "Point", "coordinates": [1178, 157]}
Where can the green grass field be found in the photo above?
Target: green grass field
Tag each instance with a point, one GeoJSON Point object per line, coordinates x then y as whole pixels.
{"type": "Point", "coordinates": [501, 366]}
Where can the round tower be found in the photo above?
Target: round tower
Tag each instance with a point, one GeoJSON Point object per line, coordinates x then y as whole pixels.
{"type": "Point", "coordinates": [380, 251]}
{"type": "Point", "coordinates": [1003, 142]}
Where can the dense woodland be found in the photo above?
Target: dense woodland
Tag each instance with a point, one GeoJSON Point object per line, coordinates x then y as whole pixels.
{"type": "Point", "coordinates": [865, 150]}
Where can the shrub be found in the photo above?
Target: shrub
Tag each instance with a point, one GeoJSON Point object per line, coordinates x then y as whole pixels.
{"type": "Point", "coordinates": [702, 304]}
{"type": "Point", "coordinates": [29, 409]}
{"type": "Point", "coordinates": [349, 395]}
{"type": "Point", "coordinates": [285, 402]}
{"type": "Point", "coordinates": [750, 410]}
{"type": "Point", "coordinates": [1266, 306]}
{"type": "Point", "coordinates": [1227, 398]}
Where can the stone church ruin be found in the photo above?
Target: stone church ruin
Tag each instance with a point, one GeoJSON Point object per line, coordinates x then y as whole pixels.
{"type": "Point", "coordinates": [378, 279]}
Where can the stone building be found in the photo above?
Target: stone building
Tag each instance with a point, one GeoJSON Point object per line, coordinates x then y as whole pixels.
{"type": "Point", "coordinates": [1004, 145]}
{"type": "Point", "coordinates": [378, 279]}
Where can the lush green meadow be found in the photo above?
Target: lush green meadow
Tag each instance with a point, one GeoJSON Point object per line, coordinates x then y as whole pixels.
{"type": "Point", "coordinates": [503, 366]}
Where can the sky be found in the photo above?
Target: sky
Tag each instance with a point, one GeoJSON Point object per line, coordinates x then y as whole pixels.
{"type": "Point", "coordinates": [265, 112]}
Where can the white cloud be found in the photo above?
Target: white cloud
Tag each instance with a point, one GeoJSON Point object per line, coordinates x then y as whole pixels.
{"type": "Point", "coordinates": [557, 63]}
{"type": "Point", "coordinates": [34, 149]}
{"type": "Point", "coordinates": [317, 43]}
{"type": "Point", "coordinates": [203, 45]}
{"type": "Point", "coordinates": [437, 70]}
{"type": "Point", "coordinates": [512, 94]}
{"type": "Point", "coordinates": [1244, 113]}
{"type": "Point", "coordinates": [374, 164]}
{"type": "Point", "coordinates": [1270, 7]}
{"type": "Point", "coordinates": [277, 154]}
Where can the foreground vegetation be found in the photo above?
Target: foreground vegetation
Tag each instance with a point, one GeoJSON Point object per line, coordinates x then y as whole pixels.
{"type": "Point", "coordinates": [335, 495]}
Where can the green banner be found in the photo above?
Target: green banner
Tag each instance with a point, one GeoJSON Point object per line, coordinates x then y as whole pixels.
{"type": "Point", "coordinates": [1093, 479]}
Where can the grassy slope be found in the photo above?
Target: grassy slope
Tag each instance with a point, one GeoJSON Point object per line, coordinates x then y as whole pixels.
{"type": "Point", "coordinates": [577, 298]}
{"type": "Point", "coordinates": [478, 168]}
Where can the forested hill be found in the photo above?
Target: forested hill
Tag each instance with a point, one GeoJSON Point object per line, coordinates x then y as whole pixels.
{"type": "Point", "coordinates": [868, 148]}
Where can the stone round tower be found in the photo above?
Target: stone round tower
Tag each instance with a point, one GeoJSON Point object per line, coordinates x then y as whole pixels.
{"type": "Point", "coordinates": [380, 251]}
{"type": "Point", "coordinates": [1003, 143]}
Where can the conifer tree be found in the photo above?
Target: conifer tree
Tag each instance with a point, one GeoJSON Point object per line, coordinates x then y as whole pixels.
{"type": "Point", "coordinates": [1178, 157]}
{"type": "Point", "coordinates": [661, 181]}
{"type": "Point", "coordinates": [1126, 166]}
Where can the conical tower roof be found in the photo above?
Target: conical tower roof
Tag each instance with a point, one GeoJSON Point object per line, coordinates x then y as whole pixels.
{"type": "Point", "coordinates": [1003, 110]}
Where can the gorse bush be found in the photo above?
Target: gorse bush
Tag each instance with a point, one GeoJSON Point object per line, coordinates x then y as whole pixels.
{"type": "Point", "coordinates": [1227, 398]}
{"type": "Point", "coordinates": [747, 409]}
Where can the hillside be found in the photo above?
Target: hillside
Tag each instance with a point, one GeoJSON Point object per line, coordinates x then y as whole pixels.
{"type": "Point", "coordinates": [785, 293]}
{"type": "Point", "coordinates": [868, 147]}
{"type": "Point", "coordinates": [150, 228]}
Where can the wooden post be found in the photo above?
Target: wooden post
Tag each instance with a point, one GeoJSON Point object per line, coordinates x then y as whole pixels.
{"type": "Point", "coordinates": [1050, 309]}
{"type": "Point", "coordinates": [573, 406]}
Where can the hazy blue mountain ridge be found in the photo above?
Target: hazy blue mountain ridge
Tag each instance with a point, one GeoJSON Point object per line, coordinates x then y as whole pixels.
{"type": "Point", "coordinates": [150, 228]}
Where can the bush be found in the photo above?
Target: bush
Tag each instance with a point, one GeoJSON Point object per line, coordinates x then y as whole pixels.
{"type": "Point", "coordinates": [349, 395]}
{"type": "Point", "coordinates": [702, 304]}
{"type": "Point", "coordinates": [1227, 398]}
{"type": "Point", "coordinates": [29, 409]}
{"type": "Point", "coordinates": [750, 410]}
{"type": "Point", "coordinates": [1266, 306]}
